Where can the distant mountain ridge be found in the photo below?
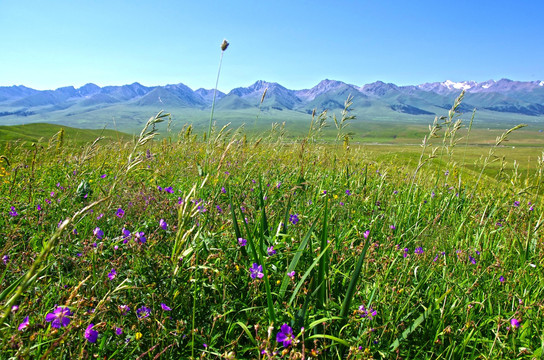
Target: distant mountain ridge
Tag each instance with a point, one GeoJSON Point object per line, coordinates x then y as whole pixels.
{"type": "Point", "coordinates": [502, 96]}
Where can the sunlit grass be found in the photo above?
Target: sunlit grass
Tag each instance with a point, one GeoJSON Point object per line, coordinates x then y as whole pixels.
{"type": "Point", "coordinates": [293, 249]}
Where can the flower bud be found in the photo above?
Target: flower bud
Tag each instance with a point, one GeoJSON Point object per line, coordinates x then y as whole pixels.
{"type": "Point", "coordinates": [224, 45]}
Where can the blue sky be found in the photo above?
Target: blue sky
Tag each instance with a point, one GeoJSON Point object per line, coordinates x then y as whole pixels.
{"type": "Point", "coordinates": [48, 44]}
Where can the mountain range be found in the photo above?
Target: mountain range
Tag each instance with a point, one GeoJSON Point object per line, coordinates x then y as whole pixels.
{"type": "Point", "coordinates": [91, 105]}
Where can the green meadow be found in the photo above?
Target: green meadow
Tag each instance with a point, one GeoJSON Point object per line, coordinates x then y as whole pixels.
{"type": "Point", "coordinates": [328, 240]}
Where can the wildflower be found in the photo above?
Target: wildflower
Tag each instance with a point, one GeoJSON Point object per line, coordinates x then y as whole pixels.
{"type": "Point", "coordinates": [103, 176]}
{"type": "Point", "coordinates": [143, 312]}
{"type": "Point", "coordinates": [395, 192]}
{"type": "Point", "coordinates": [418, 250]}
{"type": "Point", "coordinates": [242, 241]}
{"type": "Point", "coordinates": [13, 212]}
{"type": "Point", "coordinates": [367, 313]}
{"type": "Point", "coordinates": [256, 271]}
{"type": "Point", "coordinates": [501, 279]}
{"type": "Point", "coordinates": [112, 274]}
{"type": "Point", "coordinates": [14, 308]}
{"type": "Point", "coordinates": [406, 250]}
{"type": "Point", "coordinates": [278, 185]}
{"type": "Point", "coordinates": [59, 317]}
{"type": "Point", "coordinates": [98, 233]}
{"type": "Point", "coordinates": [285, 336]}
{"type": "Point", "coordinates": [118, 331]}
{"type": "Point", "coordinates": [138, 335]}
{"type": "Point", "coordinates": [169, 190]}
{"type": "Point", "coordinates": [74, 231]}
{"type": "Point", "coordinates": [24, 324]}
{"type": "Point", "coordinates": [159, 188]}
{"type": "Point", "coordinates": [293, 218]}
{"type": "Point", "coordinates": [126, 235]}
{"type": "Point", "coordinates": [366, 233]}
{"type": "Point", "coordinates": [38, 207]}
{"type": "Point", "coordinates": [270, 251]}
{"type": "Point", "coordinates": [291, 274]}
{"type": "Point", "coordinates": [165, 307]}
{"type": "Point", "coordinates": [99, 216]}
{"type": "Point", "coordinates": [446, 173]}
{"type": "Point", "coordinates": [515, 323]}
{"type": "Point", "coordinates": [392, 227]}
{"type": "Point", "coordinates": [124, 309]}
{"type": "Point", "coordinates": [219, 210]}
{"type": "Point", "coordinates": [348, 193]}
{"type": "Point", "coordinates": [163, 224]}
{"type": "Point", "coordinates": [472, 260]}
{"type": "Point", "coordinates": [140, 237]}
{"type": "Point", "coordinates": [516, 203]}
{"type": "Point", "coordinates": [5, 259]}
{"type": "Point", "coordinates": [90, 334]}
{"type": "Point", "coordinates": [120, 213]}
{"type": "Point", "coordinates": [223, 190]}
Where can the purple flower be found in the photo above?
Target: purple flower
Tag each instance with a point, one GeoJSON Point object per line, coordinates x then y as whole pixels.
{"type": "Point", "coordinates": [126, 235]}
{"type": "Point", "coordinates": [140, 237]}
{"type": "Point", "coordinates": [223, 190]}
{"type": "Point", "coordinates": [515, 323]}
{"type": "Point", "coordinates": [103, 176]}
{"type": "Point", "coordinates": [270, 251]}
{"type": "Point", "coordinates": [392, 227]}
{"type": "Point", "coordinates": [120, 213]}
{"type": "Point", "coordinates": [165, 307]}
{"type": "Point", "coordinates": [112, 274]}
{"type": "Point", "coordinates": [285, 336]}
{"type": "Point", "coordinates": [291, 274]}
{"type": "Point", "coordinates": [143, 312]}
{"type": "Point", "coordinates": [348, 193]}
{"type": "Point", "coordinates": [419, 250]}
{"type": "Point", "coordinates": [159, 188]}
{"type": "Point", "coordinates": [169, 190]}
{"type": "Point", "coordinates": [90, 334]}
{"type": "Point", "coordinates": [24, 324]}
{"type": "Point", "coordinates": [472, 260]}
{"type": "Point", "coordinates": [13, 212]}
{"type": "Point", "coordinates": [256, 271]}
{"type": "Point", "coordinates": [14, 308]}
{"type": "Point", "coordinates": [118, 331]}
{"type": "Point", "coordinates": [366, 233]}
{"type": "Point", "coordinates": [406, 250]}
{"type": "Point", "coordinates": [38, 207]}
{"type": "Point", "coordinates": [367, 313]}
{"type": "Point", "coordinates": [163, 224]}
{"type": "Point", "coordinates": [242, 241]}
{"type": "Point", "coordinates": [293, 218]}
{"type": "Point", "coordinates": [501, 279]}
{"type": "Point", "coordinates": [5, 259]}
{"type": "Point", "coordinates": [59, 317]}
{"type": "Point", "coordinates": [124, 309]}
{"type": "Point", "coordinates": [516, 203]}
{"type": "Point", "coordinates": [98, 233]}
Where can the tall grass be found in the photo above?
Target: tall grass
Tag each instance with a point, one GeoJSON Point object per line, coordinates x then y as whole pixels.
{"type": "Point", "coordinates": [280, 250]}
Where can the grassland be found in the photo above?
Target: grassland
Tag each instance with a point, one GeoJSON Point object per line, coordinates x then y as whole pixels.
{"type": "Point", "coordinates": [268, 246]}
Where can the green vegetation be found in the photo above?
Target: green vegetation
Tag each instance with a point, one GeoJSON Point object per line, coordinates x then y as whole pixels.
{"type": "Point", "coordinates": [266, 247]}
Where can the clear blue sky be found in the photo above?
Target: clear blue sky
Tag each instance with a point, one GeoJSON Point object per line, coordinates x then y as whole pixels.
{"type": "Point", "coordinates": [48, 44]}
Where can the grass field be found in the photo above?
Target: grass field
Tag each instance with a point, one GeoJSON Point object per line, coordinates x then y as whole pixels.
{"type": "Point", "coordinates": [246, 246]}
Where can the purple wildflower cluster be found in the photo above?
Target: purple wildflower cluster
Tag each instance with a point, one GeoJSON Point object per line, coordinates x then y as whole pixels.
{"type": "Point", "coordinates": [367, 313]}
